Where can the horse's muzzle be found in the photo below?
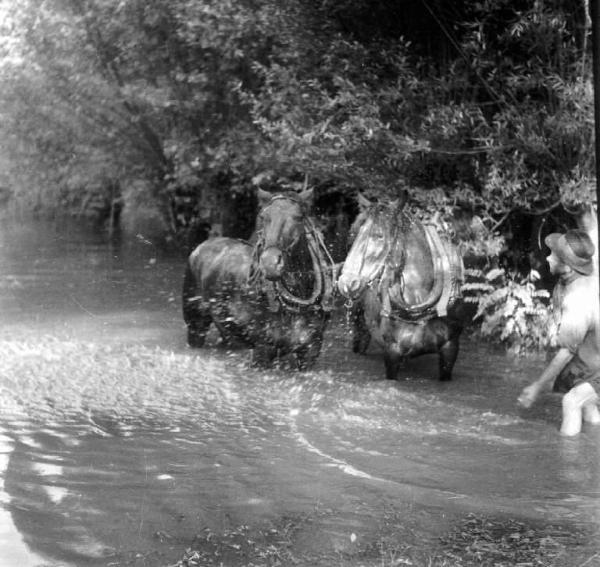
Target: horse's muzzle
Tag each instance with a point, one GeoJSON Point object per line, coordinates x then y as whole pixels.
{"type": "Point", "coordinates": [350, 287]}
{"type": "Point", "coordinates": [272, 263]}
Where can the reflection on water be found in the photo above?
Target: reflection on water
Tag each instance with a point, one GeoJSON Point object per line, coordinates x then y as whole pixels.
{"type": "Point", "coordinates": [13, 549]}
{"type": "Point", "coordinates": [71, 282]}
{"type": "Point", "coordinates": [118, 444]}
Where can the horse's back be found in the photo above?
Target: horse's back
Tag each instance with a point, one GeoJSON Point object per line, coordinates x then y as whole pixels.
{"type": "Point", "coordinates": [220, 260]}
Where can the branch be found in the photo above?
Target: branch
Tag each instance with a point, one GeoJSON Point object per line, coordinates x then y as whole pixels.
{"type": "Point", "coordinates": [96, 39]}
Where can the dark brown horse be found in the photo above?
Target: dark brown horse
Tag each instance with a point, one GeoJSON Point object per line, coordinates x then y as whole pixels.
{"type": "Point", "coordinates": [404, 280]}
{"type": "Point", "coordinates": [274, 296]}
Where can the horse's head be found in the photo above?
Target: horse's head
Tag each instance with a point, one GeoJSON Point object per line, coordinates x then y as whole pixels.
{"type": "Point", "coordinates": [281, 224]}
{"type": "Point", "coordinates": [374, 241]}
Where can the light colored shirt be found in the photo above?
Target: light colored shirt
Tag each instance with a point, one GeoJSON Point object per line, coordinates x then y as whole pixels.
{"type": "Point", "coordinates": [576, 310]}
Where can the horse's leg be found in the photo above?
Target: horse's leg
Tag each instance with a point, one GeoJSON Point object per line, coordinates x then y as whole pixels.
{"type": "Point", "coordinates": [307, 354]}
{"type": "Point", "coordinates": [263, 355]}
{"type": "Point", "coordinates": [197, 331]}
{"type": "Point", "coordinates": [393, 361]}
{"type": "Point", "coordinates": [447, 356]}
{"type": "Point", "coordinates": [196, 317]}
{"type": "Point", "coordinates": [361, 337]}
{"type": "Point", "coordinates": [226, 336]}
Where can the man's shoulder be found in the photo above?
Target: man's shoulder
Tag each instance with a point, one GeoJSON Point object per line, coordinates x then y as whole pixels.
{"type": "Point", "coordinates": [582, 293]}
{"type": "Point", "coordinates": [583, 284]}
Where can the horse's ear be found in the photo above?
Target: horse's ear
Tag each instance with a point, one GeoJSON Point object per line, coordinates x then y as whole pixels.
{"type": "Point", "coordinates": [263, 197]}
{"type": "Point", "coordinates": [306, 196]}
{"type": "Point", "coordinates": [363, 202]}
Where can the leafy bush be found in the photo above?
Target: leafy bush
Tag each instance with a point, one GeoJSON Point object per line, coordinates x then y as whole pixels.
{"type": "Point", "coordinates": [513, 311]}
{"type": "Point", "coordinates": [200, 98]}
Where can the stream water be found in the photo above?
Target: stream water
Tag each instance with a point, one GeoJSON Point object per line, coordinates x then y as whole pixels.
{"type": "Point", "coordinates": [122, 467]}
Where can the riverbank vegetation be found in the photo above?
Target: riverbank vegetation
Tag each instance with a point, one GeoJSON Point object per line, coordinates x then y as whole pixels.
{"type": "Point", "coordinates": [475, 541]}
{"type": "Point", "coordinates": [163, 117]}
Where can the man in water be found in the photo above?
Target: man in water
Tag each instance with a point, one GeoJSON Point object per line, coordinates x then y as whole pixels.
{"type": "Point", "coordinates": [575, 302]}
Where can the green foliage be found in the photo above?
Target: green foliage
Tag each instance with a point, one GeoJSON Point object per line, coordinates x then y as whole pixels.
{"type": "Point", "coordinates": [64, 125]}
{"type": "Point", "coordinates": [333, 123]}
{"type": "Point", "coordinates": [513, 312]}
{"type": "Point", "coordinates": [209, 95]}
{"type": "Point", "coordinates": [493, 131]}
{"type": "Point", "coordinates": [133, 91]}
{"type": "Point", "coordinates": [533, 72]}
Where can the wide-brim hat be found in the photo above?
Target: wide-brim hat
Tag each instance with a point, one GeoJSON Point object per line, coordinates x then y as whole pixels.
{"type": "Point", "coordinates": [575, 248]}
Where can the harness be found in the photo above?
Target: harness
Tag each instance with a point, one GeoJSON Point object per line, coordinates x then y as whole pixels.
{"type": "Point", "coordinates": [325, 271]}
{"type": "Point", "coordinates": [447, 275]}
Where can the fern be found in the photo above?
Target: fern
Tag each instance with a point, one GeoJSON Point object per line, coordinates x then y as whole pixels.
{"type": "Point", "coordinates": [512, 312]}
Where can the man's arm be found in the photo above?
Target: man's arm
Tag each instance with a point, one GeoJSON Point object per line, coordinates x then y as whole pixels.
{"type": "Point", "coordinates": [550, 373]}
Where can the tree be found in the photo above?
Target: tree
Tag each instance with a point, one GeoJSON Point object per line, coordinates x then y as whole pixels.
{"type": "Point", "coordinates": [189, 97]}
{"type": "Point", "coordinates": [136, 91]}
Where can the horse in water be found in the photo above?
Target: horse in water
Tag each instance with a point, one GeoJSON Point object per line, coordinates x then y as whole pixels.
{"type": "Point", "coordinates": [404, 280]}
{"type": "Point", "coordinates": [274, 296]}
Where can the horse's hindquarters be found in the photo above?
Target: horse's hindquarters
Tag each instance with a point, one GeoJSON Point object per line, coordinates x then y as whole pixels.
{"type": "Point", "coordinates": [220, 261]}
{"type": "Point", "coordinates": [214, 282]}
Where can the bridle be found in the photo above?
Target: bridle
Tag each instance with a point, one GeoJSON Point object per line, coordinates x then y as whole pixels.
{"type": "Point", "coordinates": [323, 266]}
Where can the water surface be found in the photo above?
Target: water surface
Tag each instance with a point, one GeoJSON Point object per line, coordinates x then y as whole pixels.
{"type": "Point", "coordinates": [119, 444]}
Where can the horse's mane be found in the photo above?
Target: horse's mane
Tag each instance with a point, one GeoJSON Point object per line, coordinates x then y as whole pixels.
{"type": "Point", "coordinates": [383, 213]}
